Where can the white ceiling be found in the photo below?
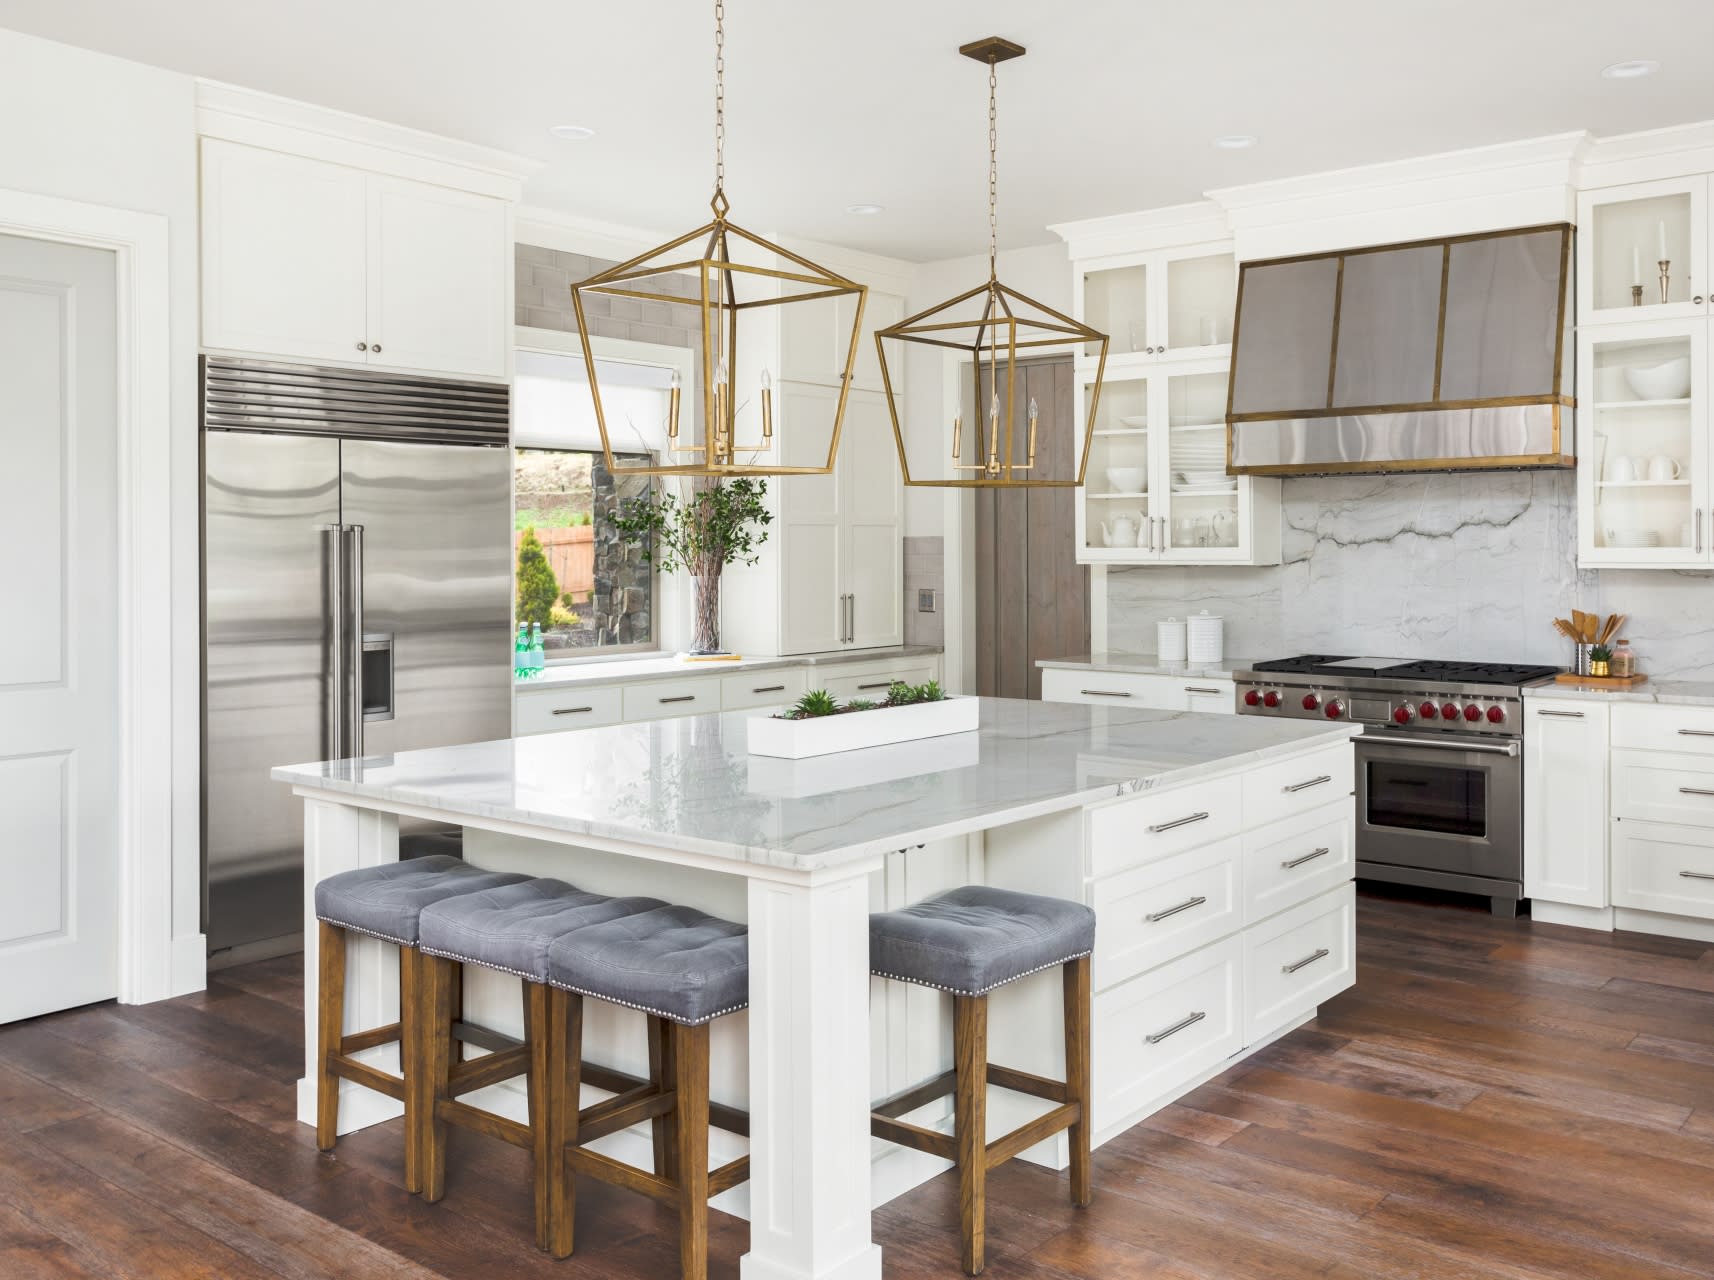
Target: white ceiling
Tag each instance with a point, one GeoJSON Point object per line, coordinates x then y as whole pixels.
{"type": "Point", "coordinates": [832, 103]}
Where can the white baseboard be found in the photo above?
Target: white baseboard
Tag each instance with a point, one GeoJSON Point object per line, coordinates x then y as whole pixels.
{"type": "Point", "coordinates": [1578, 917]}
{"type": "Point", "coordinates": [1663, 925]}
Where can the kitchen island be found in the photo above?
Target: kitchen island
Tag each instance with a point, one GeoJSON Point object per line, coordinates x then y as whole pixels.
{"type": "Point", "coordinates": [1214, 849]}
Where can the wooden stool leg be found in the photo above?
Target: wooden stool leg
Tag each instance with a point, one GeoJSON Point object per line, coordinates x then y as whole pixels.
{"type": "Point", "coordinates": [556, 1193]}
{"type": "Point", "coordinates": [535, 1080]}
{"type": "Point", "coordinates": [456, 1004]}
{"type": "Point", "coordinates": [662, 1075]}
{"type": "Point", "coordinates": [538, 1035]}
{"type": "Point", "coordinates": [970, 1122]}
{"type": "Point", "coordinates": [330, 1032]}
{"type": "Point", "coordinates": [410, 1061]}
{"type": "Point", "coordinates": [1077, 1076]}
{"type": "Point", "coordinates": [690, 1075]}
{"type": "Point", "coordinates": [434, 1030]}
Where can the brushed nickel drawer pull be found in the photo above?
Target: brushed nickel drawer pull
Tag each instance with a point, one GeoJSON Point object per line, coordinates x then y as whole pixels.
{"type": "Point", "coordinates": [1696, 875]}
{"type": "Point", "coordinates": [1696, 733]}
{"type": "Point", "coordinates": [1695, 791]}
{"type": "Point", "coordinates": [876, 684]}
{"type": "Point", "coordinates": [683, 697]}
{"type": "Point", "coordinates": [571, 711]}
{"type": "Point", "coordinates": [1305, 786]}
{"type": "Point", "coordinates": [1294, 863]}
{"type": "Point", "coordinates": [1196, 688]}
{"type": "Point", "coordinates": [1104, 693]}
{"type": "Point", "coordinates": [1158, 827]}
{"type": "Point", "coordinates": [1321, 953]}
{"type": "Point", "coordinates": [1175, 1028]}
{"type": "Point", "coordinates": [1186, 905]}
{"type": "Point", "coordinates": [1564, 715]}
{"type": "Point", "coordinates": [770, 688]}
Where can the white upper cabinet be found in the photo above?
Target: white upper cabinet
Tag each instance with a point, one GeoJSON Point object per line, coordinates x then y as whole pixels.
{"type": "Point", "coordinates": [303, 259]}
{"type": "Point", "coordinates": [814, 338]}
{"type": "Point", "coordinates": [1165, 304]}
{"type": "Point", "coordinates": [1625, 233]}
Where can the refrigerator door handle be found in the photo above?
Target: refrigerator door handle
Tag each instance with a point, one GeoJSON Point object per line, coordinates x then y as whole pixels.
{"type": "Point", "coordinates": [352, 655]}
{"type": "Point", "coordinates": [333, 612]}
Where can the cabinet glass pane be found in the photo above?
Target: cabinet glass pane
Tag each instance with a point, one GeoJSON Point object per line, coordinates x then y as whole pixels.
{"type": "Point", "coordinates": [1116, 303]}
{"type": "Point", "coordinates": [1115, 495]}
{"type": "Point", "coordinates": [1199, 297]}
{"type": "Point", "coordinates": [1389, 325]}
{"type": "Point", "coordinates": [1502, 316]}
{"type": "Point", "coordinates": [1642, 444]}
{"type": "Point", "coordinates": [1204, 497]}
{"type": "Point", "coordinates": [1285, 336]}
{"type": "Point", "coordinates": [1627, 249]}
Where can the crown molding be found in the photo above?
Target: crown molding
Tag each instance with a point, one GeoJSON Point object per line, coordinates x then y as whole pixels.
{"type": "Point", "coordinates": [1671, 152]}
{"type": "Point", "coordinates": [1171, 227]}
{"type": "Point", "coordinates": [267, 120]}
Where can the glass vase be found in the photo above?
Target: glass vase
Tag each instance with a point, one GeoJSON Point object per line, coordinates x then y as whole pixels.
{"type": "Point", "coordinates": [705, 614]}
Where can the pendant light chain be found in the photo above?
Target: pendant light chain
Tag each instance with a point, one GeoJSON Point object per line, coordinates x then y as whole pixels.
{"type": "Point", "coordinates": [719, 97]}
{"type": "Point", "coordinates": [993, 169]}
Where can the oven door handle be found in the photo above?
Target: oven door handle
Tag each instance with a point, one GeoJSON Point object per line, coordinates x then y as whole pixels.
{"type": "Point", "coordinates": [1442, 744]}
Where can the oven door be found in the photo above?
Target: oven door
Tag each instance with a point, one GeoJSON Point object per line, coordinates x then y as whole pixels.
{"type": "Point", "coordinates": [1441, 804]}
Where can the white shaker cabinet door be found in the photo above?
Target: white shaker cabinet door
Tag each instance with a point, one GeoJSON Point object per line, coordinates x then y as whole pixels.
{"type": "Point", "coordinates": [438, 272]}
{"type": "Point", "coordinates": [873, 502]}
{"type": "Point", "coordinates": [283, 252]}
{"type": "Point", "coordinates": [1565, 801]}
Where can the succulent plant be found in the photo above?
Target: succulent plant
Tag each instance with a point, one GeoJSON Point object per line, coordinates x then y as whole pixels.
{"type": "Point", "coordinates": [817, 702]}
{"type": "Point", "coordinates": [860, 704]}
{"type": "Point", "coordinates": [1601, 653]}
{"type": "Point", "coordinates": [900, 694]}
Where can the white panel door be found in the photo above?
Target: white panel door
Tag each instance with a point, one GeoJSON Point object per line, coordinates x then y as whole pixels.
{"type": "Point", "coordinates": [439, 261]}
{"type": "Point", "coordinates": [874, 499]}
{"type": "Point", "coordinates": [59, 694]}
{"type": "Point", "coordinates": [812, 614]}
{"type": "Point", "coordinates": [283, 248]}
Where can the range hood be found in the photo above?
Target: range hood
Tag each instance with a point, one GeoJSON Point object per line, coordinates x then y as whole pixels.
{"type": "Point", "coordinates": [1437, 355]}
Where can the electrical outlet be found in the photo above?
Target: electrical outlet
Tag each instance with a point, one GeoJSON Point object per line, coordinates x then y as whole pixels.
{"type": "Point", "coordinates": [925, 600]}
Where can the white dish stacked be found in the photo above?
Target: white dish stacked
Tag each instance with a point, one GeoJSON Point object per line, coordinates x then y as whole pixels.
{"type": "Point", "coordinates": [1199, 463]}
{"type": "Point", "coordinates": [1632, 538]}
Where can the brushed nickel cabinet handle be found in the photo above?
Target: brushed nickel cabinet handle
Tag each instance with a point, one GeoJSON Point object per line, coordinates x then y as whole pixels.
{"type": "Point", "coordinates": [363, 346]}
{"type": "Point", "coordinates": [1696, 875]}
{"type": "Point", "coordinates": [1196, 688]}
{"type": "Point", "coordinates": [1104, 693]}
{"type": "Point", "coordinates": [1178, 822]}
{"type": "Point", "coordinates": [1695, 791]}
{"type": "Point", "coordinates": [1564, 715]}
{"type": "Point", "coordinates": [769, 688]}
{"type": "Point", "coordinates": [376, 348]}
{"type": "Point", "coordinates": [1321, 953]}
{"type": "Point", "coordinates": [875, 684]}
{"type": "Point", "coordinates": [683, 697]}
{"type": "Point", "coordinates": [1186, 905]}
{"type": "Point", "coordinates": [1175, 1028]}
{"type": "Point", "coordinates": [1699, 529]}
{"type": "Point", "coordinates": [571, 711]}
{"type": "Point", "coordinates": [1293, 863]}
{"type": "Point", "coordinates": [1305, 786]}
{"type": "Point", "coordinates": [1696, 733]}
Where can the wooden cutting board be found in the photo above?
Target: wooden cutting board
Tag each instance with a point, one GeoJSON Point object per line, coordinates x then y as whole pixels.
{"type": "Point", "coordinates": [1600, 682]}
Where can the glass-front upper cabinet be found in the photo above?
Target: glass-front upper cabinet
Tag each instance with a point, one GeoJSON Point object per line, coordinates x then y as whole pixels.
{"type": "Point", "coordinates": [1114, 514]}
{"type": "Point", "coordinates": [1642, 252]}
{"type": "Point", "coordinates": [1171, 304]}
{"type": "Point", "coordinates": [1200, 499]}
{"type": "Point", "coordinates": [1643, 470]}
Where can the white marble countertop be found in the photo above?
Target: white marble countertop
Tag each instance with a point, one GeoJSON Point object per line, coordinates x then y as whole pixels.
{"type": "Point", "coordinates": [1147, 664]}
{"type": "Point", "coordinates": [689, 784]}
{"type": "Point", "coordinates": [625, 670]}
{"type": "Point", "coordinates": [1684, 693]}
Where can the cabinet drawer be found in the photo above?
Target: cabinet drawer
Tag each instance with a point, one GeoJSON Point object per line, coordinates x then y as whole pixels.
{"type": "Point", "coordinates": [1296, 786]}
{"type": "Point", "coordinates": [1158, 1031]}
{"type": "Point", "coordinates": [1296, 960]}
{"type": "Point", "coordinates": [1160, 910]}
{"type": "Point", "coordinates": [1659, 867]}
{"type": "Point", "coordinates": [1651, 728]}
{"type": "Point", "coordinates": [1128, 833]}
{"type": "Point", "coordinates": [871, 683]}
{"type": "Point", "coordinates": [1104, 689]}
{"type": "Point", "coordinates": [551, 710]}
{"type": "Point", "coordinates": [761, 689]}
{"type": "Point", "coordinates": [1293, 861]}
{"type": "Point", "coordinates": [1655, 786]}
{"type": "Point", "coordinates": [662, 698]}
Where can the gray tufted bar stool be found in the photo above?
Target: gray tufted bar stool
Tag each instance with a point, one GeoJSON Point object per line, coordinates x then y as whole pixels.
{"type": "Point", "coordinates": [384, 902]}
{"type": "Point", "coordinates": [969, 942]}
{"type": "Point", "coordinates": [684, 969]}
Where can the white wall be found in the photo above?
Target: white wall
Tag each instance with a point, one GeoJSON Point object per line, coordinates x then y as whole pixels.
{"type": "Point", "coordinates": [84, 126]}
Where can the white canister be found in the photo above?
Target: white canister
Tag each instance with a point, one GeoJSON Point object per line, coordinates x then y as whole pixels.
{"type": "Point", "coordinates": [1206, 638]}
{"type": "Point", "coordinates": [1169, 640]}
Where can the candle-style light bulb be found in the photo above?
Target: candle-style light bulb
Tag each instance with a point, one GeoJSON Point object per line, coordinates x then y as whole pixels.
{"type": "Point", "coordinates": [957, 434]}
{"type": "Point", "coordinates": [993, 436]}
{"type": "Point", "coordinates": [722, 399]}
{"type": "Point", "coordinates": [1032, 458]}
{"type": "Point", "coordinates": [767, 406]}
{"type": "Point", "coordinates": [672, 408]}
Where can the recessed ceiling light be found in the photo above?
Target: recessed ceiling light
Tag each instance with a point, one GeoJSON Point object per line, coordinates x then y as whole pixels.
{"type": "Point", "coordinates": [1632, 70]}
{"type": "Point", "coordinates": [865, 208]}
{"type": "Point", "coordinates": [1235, 141]}
{"type": "Point", "coordinates": [575, 132]}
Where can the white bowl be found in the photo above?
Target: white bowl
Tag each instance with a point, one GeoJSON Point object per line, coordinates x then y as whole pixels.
{"type": "Point", "coordinates": [1204, 479]}
{"type": "Point", "coordinates": [1669, 381]}
{"type": "Point", "coordinates": [1135, 420]}
{"type": "Point", "coordinates": [1126, 479]}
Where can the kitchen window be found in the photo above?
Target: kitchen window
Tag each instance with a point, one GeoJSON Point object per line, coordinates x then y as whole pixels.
{"type": "Point", "coordinates": [591, 592]}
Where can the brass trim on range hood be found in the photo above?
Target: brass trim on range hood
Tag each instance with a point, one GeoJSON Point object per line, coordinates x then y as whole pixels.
{"type": "Point", "coordinates": [1559, 454]}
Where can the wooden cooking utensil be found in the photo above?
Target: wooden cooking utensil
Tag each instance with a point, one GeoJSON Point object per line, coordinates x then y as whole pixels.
{"type": "Point", "coordinates": [1566, 629]}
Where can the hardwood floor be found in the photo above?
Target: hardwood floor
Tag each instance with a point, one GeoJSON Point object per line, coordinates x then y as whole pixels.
{"type": "Point", "coordinates": [1493, 1099]}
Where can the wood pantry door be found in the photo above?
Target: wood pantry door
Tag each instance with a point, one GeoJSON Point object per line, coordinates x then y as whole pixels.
{"type": "Point", "coordinates": [59, 659]}
{"type": "Point", "coordinates": [1032, 597]}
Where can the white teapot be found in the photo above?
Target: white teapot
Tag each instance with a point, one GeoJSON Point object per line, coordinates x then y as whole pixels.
{"type": "Point", "coordinates": [1123, 532]}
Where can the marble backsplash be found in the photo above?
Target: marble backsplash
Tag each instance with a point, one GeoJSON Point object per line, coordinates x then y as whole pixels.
{"type": "Point", "coordinates": [1471, 566]}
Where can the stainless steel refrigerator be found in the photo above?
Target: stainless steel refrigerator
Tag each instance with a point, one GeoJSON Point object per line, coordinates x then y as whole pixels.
{"type": "Point", "coordinates": [357, 579]}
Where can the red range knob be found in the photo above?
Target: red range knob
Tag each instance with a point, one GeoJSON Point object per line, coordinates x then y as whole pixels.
{"type": "Point", "coordinates": [1335, 709]}
{"type": "Point", "coordinates": [1270, 699]}
{"type": "Point", "coordinates": [1428, 711]}
{"type": "Point", "coordinates": [1449, 710]}
{"type": "Point", "coordinates": [1472, 712]}
{"type": "Point", "coordinates": [1496, 715]}
{"type": "Point", "coordinates": [1310, 702]}
{"type": "Point", "coordinates": [1252, 698]}
{"type": "Point", "coordinates": [1402, 715]}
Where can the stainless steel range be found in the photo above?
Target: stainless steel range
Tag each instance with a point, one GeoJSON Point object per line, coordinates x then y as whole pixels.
{"type": "Point", "coordinates": [1439, 764]}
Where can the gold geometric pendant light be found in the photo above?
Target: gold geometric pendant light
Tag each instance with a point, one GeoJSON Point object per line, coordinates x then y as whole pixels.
{"type": "Point", "coordinates": [729, 429]}
{"type": "Point", "coordinates": [1001, 329]}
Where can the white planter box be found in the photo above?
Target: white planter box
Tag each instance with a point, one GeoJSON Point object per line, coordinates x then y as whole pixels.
{"type": "Point", "coordinates": [824, 735]}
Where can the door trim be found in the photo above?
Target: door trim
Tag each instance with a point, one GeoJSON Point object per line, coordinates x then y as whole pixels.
{"type": "Point", "coordinates": [153, 964]}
